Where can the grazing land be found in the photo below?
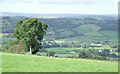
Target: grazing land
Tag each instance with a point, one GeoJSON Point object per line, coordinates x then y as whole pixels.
{"type": "Point", "coordinates": [33, 63]}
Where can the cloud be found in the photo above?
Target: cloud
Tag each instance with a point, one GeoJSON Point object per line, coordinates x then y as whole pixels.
{"type": "Point", "coordinates": [59, 7]}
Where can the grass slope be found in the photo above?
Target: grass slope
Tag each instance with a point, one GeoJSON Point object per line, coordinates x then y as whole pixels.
{"type": "Point", "coordinates": [87, 28]}
{"type": "Point", "coordinates": [32, 63]}
{"type": "Point", "coordinates": [86, 38]}
{"type": "Point", "coordinates": [109, 33]}
{"type": "Point", "coordinates": [76, 38]}
{"type": "Point", "coordinates": [93, 34]}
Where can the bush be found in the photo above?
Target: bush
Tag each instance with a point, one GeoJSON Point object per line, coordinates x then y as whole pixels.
{"type": "Point", "coordinates": [85, 54]}
{"type": "Point", "coordinates": [82, 54]}
{"type": "Point", "coordinates": [14, 46]}
{"type": "Point", "coordinates": [100, 58]}
{"type": "Point", "coordinates": [88, 54]}
{"type": "Point", "coordinates": [38, 53]}
{"type": "Point", "coordinates": [113, 55]}
{"type": "Point", "coordinates": [4, 48]}
{"type": "Point", "coordinates": [75, 57]}
{"type": "Point", "coordinates": [7, 47]}
{"type": "Point", "coordinates": [50, 53]}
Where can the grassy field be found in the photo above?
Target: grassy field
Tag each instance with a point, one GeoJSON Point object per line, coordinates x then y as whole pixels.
{"type": "Point", "coordinates": [87, 28]}
{"type": "Point", "coordinates": [33, 63]}
{"type": "Point", "coordinates": [93, 34]}
{"type": "Point", "coordinates": [109, 33]}
{"type": "Point", "coordinates": [67, 33]}
{"type": "Point", "coordinates": [5, 40]}
{"type": "Point", "coordinates": [88, 38]}
{"type": "Point", "coordinates": [77, 38]}
{"type": "Point", "coordinates": [61, 49]}
{"type": "Point", "coordinates": [62, 54]}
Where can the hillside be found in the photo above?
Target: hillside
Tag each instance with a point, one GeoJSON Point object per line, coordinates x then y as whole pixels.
{"type": "Point", "coordinates": [94, 28]}
{"type": "Point", "coordinates": [33, 63]}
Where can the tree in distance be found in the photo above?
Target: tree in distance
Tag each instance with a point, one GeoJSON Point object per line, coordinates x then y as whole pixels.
{"type": "Point", "coordinates": [31, 32]}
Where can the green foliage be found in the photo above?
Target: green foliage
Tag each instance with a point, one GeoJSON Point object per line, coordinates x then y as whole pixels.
{"type": "Point", "coordinates": [4, 48]}
{"type": "Point", "coordinates": [82, 54]}
{"type": "Point", "coordinates": [7, 47]}
{"type": "Point", "coordinates": [113, 55]}
{"type": "Point", "coordinates": [113, 44]}
{"type": "Point", "coordinates": [31, 32]}
{"type": "Point", "coordinates": [38, 53]}
{"type": "Point", "coordinates": [85, 54]}
{"type": "Point", "coordinates": [100, 58]}
{"type": "Point", "coordinates": [50, 53]}
{"type": "Point", "coordinates": [75, 57]}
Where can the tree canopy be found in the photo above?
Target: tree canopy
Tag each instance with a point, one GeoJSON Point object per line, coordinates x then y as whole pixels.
{"type": "Point", "coordinates": [31, 32]}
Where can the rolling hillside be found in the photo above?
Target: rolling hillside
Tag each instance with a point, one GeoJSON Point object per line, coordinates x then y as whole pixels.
{"type": "Point", "coordinates": [69, 28]}
{"type": "Point", "coordinates": [33, 63]}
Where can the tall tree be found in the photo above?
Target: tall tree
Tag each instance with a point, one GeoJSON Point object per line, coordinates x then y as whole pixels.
{"type": "Point", "coordinates": [31, 32]}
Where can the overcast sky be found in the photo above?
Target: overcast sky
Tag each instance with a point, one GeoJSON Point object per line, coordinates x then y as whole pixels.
{"type": "Point", "coordinates": [60, 6]}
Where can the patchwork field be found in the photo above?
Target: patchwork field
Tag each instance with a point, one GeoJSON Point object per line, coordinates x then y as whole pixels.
{"type": "Point", "coordinates": [89, 38]}
{"type": "Point", "coordinates": [33, 63]}
{"type": "Point", "coordinates": [61, 51]}
{"type": "Point", "coordinates": [70, 29]}
{"type": "Point", "coordinates": [87, 28]}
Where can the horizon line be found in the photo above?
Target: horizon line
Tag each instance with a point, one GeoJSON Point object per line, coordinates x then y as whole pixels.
{"type": "Point", "coordinates": [56, 13]}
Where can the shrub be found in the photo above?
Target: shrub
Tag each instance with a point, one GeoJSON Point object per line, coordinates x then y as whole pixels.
{"type": "Point", "coordinates": [82, 54]}
{"type": "Point", "coordinates": [113, 55]}
{"type": "Point", "coordinates": [50, 53]}
{"type": "Point", "coordinates": [38, 53]}
{"type": "Point", "coordinates": [14, 46]}
{"type": "Point", "coordinates": [85, 54]}
{"type": "Point", "coordinates": [100, 58]}
{"type": "Point", "coordinates": [75, 57]}
{"type": "Point", "coordinates": [88, 54]}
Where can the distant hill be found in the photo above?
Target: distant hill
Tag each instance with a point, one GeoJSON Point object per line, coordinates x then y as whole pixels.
{"type": "Point", "coordinates": [40, 15]}
{"type": "Point", "coordinates": [58, 15]}
{"type": "Point", "coordinates": [83, 28]}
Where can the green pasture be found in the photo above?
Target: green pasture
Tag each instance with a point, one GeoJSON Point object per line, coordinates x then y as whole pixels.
{"type": "Point", "coordinates": [93, 34]}
{"type": "Point", "coordinates": [33, 63]}
{"type": "Point", "coordinates": [84, 38]}
{"type": "Point", "coordinates": [109, 33]}
{"type": "Point", "coordinates": [60, 54]}
{"type": "Point", "coordinates": [76, 38]}
{"type": "Point", "coordinates": [87, 28]}
{"type": "Point", "coordinates": [61, 49]}
{"type": "Point", "coordinates": [67, 33]}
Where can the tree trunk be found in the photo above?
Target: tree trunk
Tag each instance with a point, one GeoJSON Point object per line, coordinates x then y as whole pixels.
{"type": "Point", "coordinates": [30, 50]}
